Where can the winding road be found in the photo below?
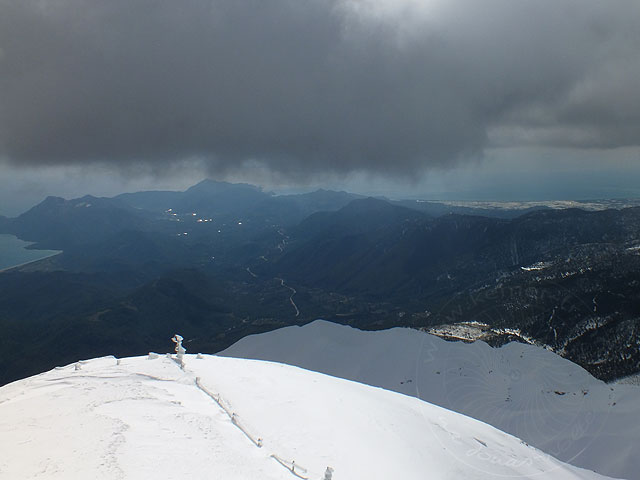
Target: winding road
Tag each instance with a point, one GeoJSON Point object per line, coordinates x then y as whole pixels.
{"type": "Point", "coordinates": [293, 290]}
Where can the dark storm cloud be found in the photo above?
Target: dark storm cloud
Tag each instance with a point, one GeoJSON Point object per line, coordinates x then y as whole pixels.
{"type": "Point", "coordinates": [313, 85]}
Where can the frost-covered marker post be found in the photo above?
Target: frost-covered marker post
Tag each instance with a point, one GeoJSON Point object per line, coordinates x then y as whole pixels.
{"type": "Point", "coordinates": [180, 350]}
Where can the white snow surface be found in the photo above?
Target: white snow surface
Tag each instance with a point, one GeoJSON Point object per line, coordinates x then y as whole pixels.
{"type": "Point", "coordinates": [146, 418]}
{"type": "Point", "coordinates": [532, 393]}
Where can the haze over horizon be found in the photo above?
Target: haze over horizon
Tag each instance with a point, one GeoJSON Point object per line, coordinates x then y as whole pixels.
{"type": "Point", "coordinates": [441, 100]}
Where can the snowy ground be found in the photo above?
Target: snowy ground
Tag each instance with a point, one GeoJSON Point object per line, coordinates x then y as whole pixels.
{"type": "Point", "coordinates": [532, 393]}
{"type": "Point", "coordinates": [146, 418]}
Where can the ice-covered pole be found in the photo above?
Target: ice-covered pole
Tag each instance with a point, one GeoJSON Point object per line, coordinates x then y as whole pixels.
{"type": "Point", "coordinates": [180, 350]}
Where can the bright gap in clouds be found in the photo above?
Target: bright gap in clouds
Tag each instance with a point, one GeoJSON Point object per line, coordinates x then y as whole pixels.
{"type": "Point", "coordinates": [455, 98]}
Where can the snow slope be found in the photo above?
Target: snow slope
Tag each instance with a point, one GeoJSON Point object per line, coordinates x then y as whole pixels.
{"type": "Point", "coordinates": [146, 418]}
{"type": "Point", "coordinates": [547, 401]}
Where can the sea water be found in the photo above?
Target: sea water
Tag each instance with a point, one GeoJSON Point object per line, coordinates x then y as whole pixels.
{"type": "Point", "coordinates": [13, 252]}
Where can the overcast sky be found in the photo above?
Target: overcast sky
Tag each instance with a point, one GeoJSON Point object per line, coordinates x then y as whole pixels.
{"type": "Point", "coordinates": [448, 95]}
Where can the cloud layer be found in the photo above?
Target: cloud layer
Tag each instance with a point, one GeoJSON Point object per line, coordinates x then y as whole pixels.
{"type": "Point", "coordinates": [307, 86]}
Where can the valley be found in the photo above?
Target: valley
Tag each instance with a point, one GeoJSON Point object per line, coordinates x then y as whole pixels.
{"type": "Point", "coordinates": [220, 261]}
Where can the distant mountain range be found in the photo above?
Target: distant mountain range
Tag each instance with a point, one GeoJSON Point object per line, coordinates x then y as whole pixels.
{"type": "Point", "coordinates": [222, 260]}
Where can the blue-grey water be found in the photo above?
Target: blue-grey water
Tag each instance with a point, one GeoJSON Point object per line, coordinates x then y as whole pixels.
{"type": "Point", "coordinates": [13, 252]}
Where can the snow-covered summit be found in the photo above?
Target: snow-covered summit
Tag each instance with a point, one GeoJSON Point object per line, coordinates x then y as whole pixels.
{"type": "Point", "coordinates": [532, 393]}
{"type": "Point", "coordinates": [226, 418]}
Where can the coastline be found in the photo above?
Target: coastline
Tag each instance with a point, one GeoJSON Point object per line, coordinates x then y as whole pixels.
{"type": "Point", "coordinates": [6, 269]}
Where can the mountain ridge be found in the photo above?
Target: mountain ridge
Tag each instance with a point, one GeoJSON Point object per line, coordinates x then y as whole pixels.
{"type": "Point", "coordinates": [235, 419]}
{"type": "Point", "coordinates": [532, 393]}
